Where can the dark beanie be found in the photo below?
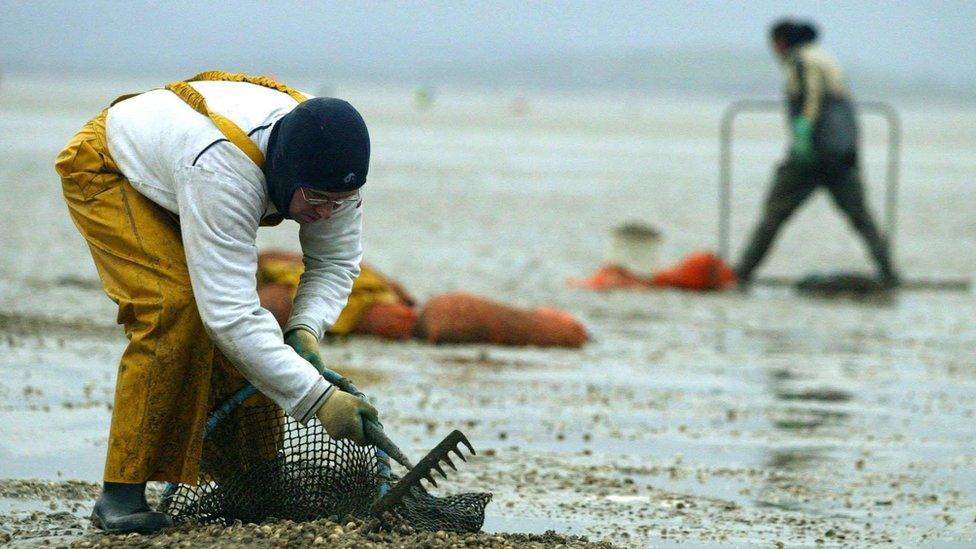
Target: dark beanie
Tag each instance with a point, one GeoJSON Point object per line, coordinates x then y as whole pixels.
{"type": "Point", "coordinates": [804, 33]}
{"type": "Point", "coordinates": [323, 144]}
{"type": "Point", "coordinates": [793, 33]}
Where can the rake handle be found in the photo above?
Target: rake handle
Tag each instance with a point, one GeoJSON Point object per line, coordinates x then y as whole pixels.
{"type": "Point", "coordinates": [376, 437]}
{"type": "Point", "coordinates": [372, 429]}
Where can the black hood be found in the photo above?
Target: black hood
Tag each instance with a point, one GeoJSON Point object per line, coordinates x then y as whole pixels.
{"type": "Point", "coordinates": [322, 144]}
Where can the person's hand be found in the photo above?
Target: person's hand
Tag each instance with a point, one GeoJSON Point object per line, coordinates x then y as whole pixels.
{"type": "Point", "coordinates": [802, 149]}
{"type": "Point", "coordinates": [306, 345]}
{"type": "Point", "coordinates": [343, 415]}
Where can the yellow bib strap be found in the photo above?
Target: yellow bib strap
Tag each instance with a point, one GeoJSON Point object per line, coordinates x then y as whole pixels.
{"type": "Point", "coordinates": [121, 98]}
{"type": "Point", "coordinates": [221, 76]}
{"type": "Point", "coordinates": [231, 131]}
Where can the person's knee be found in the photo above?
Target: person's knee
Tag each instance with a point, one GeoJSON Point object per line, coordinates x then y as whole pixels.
{"type": "Point", "coordinates": [791, 171]}
{"type": "Point", "coordinates": [170, 301]}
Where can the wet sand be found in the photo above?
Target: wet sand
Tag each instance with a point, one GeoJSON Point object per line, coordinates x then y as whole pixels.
{"type": "Point", "coordinates": [763, 418]}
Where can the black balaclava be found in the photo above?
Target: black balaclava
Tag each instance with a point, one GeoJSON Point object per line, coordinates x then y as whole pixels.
{"type": "Point", "coordinates": [322, 144]}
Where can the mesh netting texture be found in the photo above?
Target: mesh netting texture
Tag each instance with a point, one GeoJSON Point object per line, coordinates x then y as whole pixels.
{"type": "Point", "coordinates": [259, 464]}
{"type": "Point", "coordinates": [453, 513]}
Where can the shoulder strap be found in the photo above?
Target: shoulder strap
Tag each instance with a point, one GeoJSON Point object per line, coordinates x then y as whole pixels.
{"type": "Point", "coordinates": [231, 131]}
{"type": "Point", "coordinates": [264, 81]}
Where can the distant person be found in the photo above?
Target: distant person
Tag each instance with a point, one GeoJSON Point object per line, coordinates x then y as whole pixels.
{"type": "Point", "coordinates": [168, 188]}
{"type": "Point", "coordinates": [823, 153]}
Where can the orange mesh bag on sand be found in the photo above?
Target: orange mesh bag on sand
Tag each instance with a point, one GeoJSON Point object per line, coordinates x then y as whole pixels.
{"type": "Point", "coordinates": [699, 271]}
{"type": "Point", "coordinates": [377, 305]}
{"type": "Point", "coordinates": [277, 298]}
{"type": "Point", "coordinates": [278, 276]}
{"type": "Point", "coordinates": [464, 318]}
{"type": "Point", "coordinates": [610, 277]}
{"type": "Point", "coordinates": [389, 320]}
{"type": "Point", "coordinates": [280, 267]}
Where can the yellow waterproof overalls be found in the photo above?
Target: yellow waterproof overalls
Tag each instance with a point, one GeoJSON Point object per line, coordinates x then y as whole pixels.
{"type": "Point", "coordinates": [170, 374]}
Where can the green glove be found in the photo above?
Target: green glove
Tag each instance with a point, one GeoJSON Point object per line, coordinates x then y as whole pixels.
{"type": "Point", "coordinates": [802, 149]}
{"type": "Point", "coordinates": [343, 416]}
{"type": "Point", "coordinates": [306, 345]}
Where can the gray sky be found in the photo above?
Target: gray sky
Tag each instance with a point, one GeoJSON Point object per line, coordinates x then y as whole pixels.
{"type": "Point", "coordinates": [917, 39]}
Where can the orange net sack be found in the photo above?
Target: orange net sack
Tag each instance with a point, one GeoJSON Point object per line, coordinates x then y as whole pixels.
{"type": "Point", "coordinates": [698, 271]}
{"type": "Point", "coordinates": [464, 318]}
{"type": "Point", "coordinates": [389, 320]}
{"type": "Point", "coordinates": [610, 277]}
{"type": "Point", "coordinates": [377, 305]}
{"type": "Point", "coordinates": [381, 307]}
{"type": "Point", "coordinates": [279, 299]}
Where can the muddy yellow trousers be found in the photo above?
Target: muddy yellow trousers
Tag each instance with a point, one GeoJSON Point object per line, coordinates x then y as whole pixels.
{"type": "Point", "coordinates": [170, 374]}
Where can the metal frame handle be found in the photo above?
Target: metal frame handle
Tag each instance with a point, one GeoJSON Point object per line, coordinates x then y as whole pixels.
{"type": "Point", "coordinates": [771, 105]}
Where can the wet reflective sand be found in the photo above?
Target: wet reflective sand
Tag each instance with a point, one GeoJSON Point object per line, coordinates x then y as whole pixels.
{"type": "Point", "coordinates": [733, 418]}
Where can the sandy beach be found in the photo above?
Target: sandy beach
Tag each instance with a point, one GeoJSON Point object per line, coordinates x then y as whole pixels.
{"type": "Point", "coordinates": [762, 418]}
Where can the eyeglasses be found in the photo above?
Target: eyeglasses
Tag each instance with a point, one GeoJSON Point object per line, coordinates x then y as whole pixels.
{"type": "Point", "coordinates": [318, 198]}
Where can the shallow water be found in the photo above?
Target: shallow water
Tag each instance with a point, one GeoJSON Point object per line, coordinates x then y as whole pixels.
{"type": "Point", "coordinates": [721, 418]}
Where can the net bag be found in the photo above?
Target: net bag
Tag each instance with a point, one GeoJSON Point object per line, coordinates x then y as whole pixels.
{"type": "Point", "coordinates": [453, 513]}
{"type": "Point", "coordinates": [458, 317]}
{"type": "Point", "coordinates": [259, 464]}
{"type": "Point", "coordinates": [840, 283]}
{"type": "Point", "coordinates": [699, 271]}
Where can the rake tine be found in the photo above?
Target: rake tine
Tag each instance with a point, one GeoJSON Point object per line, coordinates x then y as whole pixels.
{"type": "Point", "coordinates": [437, 467]}
{"type": "Point", "coordinates": [423, 470]}
{"type": "Point", "coordinates": [467, 443]}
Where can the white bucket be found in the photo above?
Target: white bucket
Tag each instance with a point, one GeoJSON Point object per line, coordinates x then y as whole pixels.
{"type": "Point", "coordinates": [635, 247]}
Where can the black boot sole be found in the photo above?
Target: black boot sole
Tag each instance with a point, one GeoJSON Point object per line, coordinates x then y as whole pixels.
{"type": "Point", "coordinates": [148, 522]}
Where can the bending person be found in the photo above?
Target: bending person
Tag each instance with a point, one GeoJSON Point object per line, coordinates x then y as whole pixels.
{"type": "Point", "coordinates": [823, 151]}
{"type": "Point", "coordinates": [168, 188]}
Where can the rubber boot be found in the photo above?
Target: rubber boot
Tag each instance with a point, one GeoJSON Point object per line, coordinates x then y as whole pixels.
{"type": "Point", "coordinates": [888, 275]}
{"type": "Point", "coordinates": [121, 508]}
{"type": "Point", "coordinates": [743, 281]}
{"type": "Point", "coordinates": [882, 258]}
{"type": "Point", "coordinates": [762, 239]}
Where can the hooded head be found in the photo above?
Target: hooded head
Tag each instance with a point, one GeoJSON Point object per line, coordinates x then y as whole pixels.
{"type": "Point", "coordinates": [321, 144]}
{"type": "Point", "coordinates": [786, 34]}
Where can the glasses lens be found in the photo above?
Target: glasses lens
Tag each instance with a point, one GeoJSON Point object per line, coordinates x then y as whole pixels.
{"type": "Point", "coordinates": [318, 197]}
